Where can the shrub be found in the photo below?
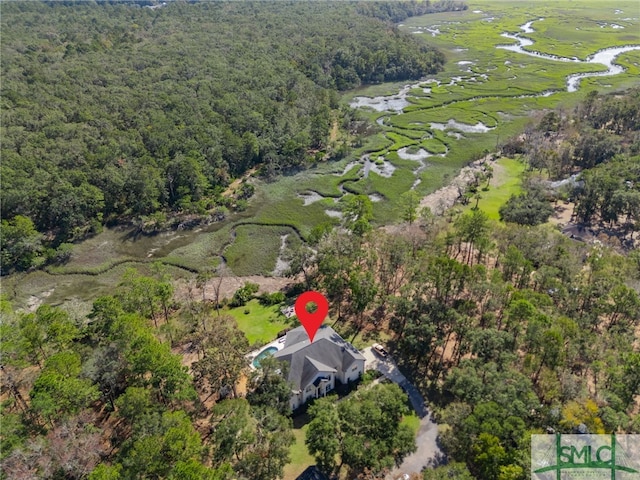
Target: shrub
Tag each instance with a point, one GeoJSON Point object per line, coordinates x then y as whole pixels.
{"type": "Point", "coordinates": [244, 294]}
{"type": "Point", "coordinates": [530, 208]}
{"type": "Point", "coordinates": [269, 299]}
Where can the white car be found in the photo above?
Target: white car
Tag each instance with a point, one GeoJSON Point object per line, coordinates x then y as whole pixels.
{"type": "Point", "coordinates": [379, 349]}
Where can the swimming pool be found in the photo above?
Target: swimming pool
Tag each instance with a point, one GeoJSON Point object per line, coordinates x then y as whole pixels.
{"type": "Point", "coordinates": [264, 353]}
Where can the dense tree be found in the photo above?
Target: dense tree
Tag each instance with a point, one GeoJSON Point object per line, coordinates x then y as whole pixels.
{"type": "Point", "coordinates": [21, 243]}
{"type": "Point", "coordinates": [594, 147]}
{"type": "Point", "coordinates": [147, 296]}
{"type": "Point", "coordinates": [160, 446]}
{"type": "Point", "coordinates": [610, 192]}
{"type": "Point", "coordinates": [60, 391]}
{"type": "Point", "coordinates": [136, 120]}
{"type": "Point", "coordinates": [224, 360]}
{"type": "Point", "coordinates": [255, 440]}
{"type": "Point", "coordinates": [44, 332]}
{"type": "Point", "coordinates": [270, 452]}
{"type": "Point", "coordinates": [323, 437]}
{"type": "Point", "coordinates": [530, 208]}
{"type": "Point", "coordinates": [371, 418]}
{"type": "Point", "coordinates": [397, 12]}
{"type": "Point", "coordinates": [507, 329]}
{"type": "Point", "coordinates": [270, 386]}
{"type": "Point", "coordinates": [452, 471]}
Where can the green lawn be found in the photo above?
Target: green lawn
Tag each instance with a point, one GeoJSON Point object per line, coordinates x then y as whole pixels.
{"type": "Point", "coordinates": [300, 458]}
{"type": "Point", "coordinates": [261, 324]}
{"type": "Point", "coordinates": [507, 182]}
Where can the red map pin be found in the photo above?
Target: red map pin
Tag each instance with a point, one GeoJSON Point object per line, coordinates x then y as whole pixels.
{"type": "Point", "coordinates": [311, 321]}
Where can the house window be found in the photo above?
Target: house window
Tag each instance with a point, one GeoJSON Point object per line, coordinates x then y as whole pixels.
{"type": "Point", "coordinates": [354, 368]}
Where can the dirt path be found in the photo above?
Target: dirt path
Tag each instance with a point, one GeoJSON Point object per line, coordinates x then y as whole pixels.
{"type": "Point", "coordinates": [236, 183]}
{"type": "Point", "coordinates": [333, 135]}
{"type": "Point", "coordinates": [444, 198]}
{"type": "Point", "coordinates": [562, 214]}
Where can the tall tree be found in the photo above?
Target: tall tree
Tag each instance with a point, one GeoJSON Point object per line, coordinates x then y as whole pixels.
{"type": "Point", "coordinates": [60, 391]}
{"type": "Point", "coordinates": [224, 359]}
{"type": "Point", "coordinates": [21, 244]}
{"type": "Point", "coordinates": [269, 386]}
{"type": "Point", "coordinates": [409, 202]}
{"type": "Point", "coordinates": [357, 213]}
{"type": "Point", "coordinates": [371, 418]}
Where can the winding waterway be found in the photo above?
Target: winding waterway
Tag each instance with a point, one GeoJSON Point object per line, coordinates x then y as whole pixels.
{"type": "Point", "coordinates": [604, 57]}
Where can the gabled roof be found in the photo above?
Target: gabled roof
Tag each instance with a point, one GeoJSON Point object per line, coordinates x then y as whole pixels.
{"type": "Point", "coordinates": [312, 473]}
{"type": "Point", "coordinates": [321, 367]}
{"type": "Point", "coordinates": [329, 353]}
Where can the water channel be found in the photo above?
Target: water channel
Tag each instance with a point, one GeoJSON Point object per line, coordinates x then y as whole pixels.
{"type": "Point", "coordinates": [605, 57]}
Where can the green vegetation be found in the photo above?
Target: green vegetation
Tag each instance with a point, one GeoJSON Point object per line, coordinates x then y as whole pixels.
{"type": "Point", "coordinates": [138, 117]}
{"type": "Point", "coordinates": [413, 422]}
{"type": "Point", "coordinates": [505, 180]}
{"type": "Point", "coordinates": [507, 329]}
{"type": "Point", "coordinates": [300, 457]}
{"type": "Point", "coordinates": [372, 417]}
{"type": "Point", "coordinates": [116, 361]}
{"type": "Point", "coordinates": [255, 249]}
{"type": "Point", "coordinates": [490, 83]}
{"type": "Point", "coordinates": [491, 319]}
{"type": "Point", "coordinates": [530, 208]}
{"type": "Point", "coordinates": [599, 139]}
{"type": "Point", "coordinates": [260, 324]}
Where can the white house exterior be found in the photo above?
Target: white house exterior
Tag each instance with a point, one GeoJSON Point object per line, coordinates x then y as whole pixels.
{"type": "Point", "coordinates": [315, 367]}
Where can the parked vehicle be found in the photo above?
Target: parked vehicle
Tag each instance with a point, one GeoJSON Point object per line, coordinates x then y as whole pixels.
{"type": "Point", "coordinates": [379, 349]}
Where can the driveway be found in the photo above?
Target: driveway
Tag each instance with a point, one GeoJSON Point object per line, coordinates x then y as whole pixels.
{"type": "Point", "coordinates": [390, 370]}
{"type": "Point", "coordinates": [428, 451]}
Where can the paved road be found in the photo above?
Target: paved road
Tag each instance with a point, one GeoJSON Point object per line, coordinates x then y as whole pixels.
{"type": "Point", "coordinates": [428, 450]}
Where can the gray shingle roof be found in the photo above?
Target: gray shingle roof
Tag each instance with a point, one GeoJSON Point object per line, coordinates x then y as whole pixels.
{"type": "Point", "coordinates": [329, 352]}
{"type": "Point", "coordinates": [312, 473]}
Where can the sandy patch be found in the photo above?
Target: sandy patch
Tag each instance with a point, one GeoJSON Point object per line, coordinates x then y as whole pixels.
{"type": "Point", "coordinates": [446, 197]}
{"type": "Point", "coordinates": [562, 214]}
{"type": "Point", "coordinates": [229, 285]}
{"type": "Point", "coordinates": [35, 301]}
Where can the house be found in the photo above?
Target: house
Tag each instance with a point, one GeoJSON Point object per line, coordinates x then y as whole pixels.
{"type": "Point", "coordinates": [315, 367]}
{"type": "Point", "coordinates": [312, 473]}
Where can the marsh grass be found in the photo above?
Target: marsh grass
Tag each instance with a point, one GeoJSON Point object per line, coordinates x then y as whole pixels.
{"type": "Point", "coordinates": [255, 249]}
{"type": "Point", "coordinates": [499, 77]}
{"type": "Point", "coordinates": [433, 145]}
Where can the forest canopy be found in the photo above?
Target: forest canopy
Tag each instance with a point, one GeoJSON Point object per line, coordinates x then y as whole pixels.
{"type": "Point", "coordinates": [113, 111]}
